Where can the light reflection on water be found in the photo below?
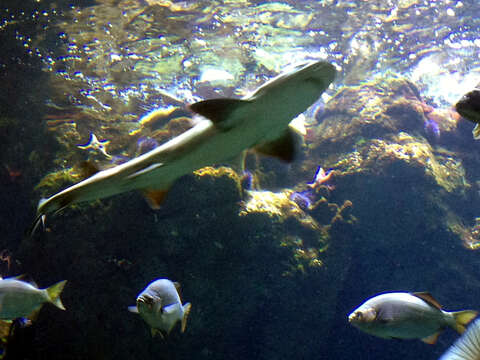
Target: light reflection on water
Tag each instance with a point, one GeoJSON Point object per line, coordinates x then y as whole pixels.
{"type": "Point", "coordinates": [115, 62]}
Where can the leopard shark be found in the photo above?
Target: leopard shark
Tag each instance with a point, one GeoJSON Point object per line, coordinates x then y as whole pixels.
{"type": "Point", "coordinates": [224, 128]}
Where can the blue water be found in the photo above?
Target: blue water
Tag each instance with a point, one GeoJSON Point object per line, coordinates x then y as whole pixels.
{"type": "Point", "coordinates": [69, 69]}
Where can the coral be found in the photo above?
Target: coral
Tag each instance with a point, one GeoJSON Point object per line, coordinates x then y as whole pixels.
{"type": "Point", "coordinates": [55, 180]}
{"type": "Point", "coordinates": [220, 174]}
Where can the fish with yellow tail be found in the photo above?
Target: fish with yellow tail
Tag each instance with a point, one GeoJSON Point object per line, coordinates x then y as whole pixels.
{"type": "Point", "coordinates": [224, 128]}
{"type": "Point", "coordinates": [402, 315]}
{"type": "Point", "coordinates": [21, 299]}
{"type": "Point", "coordinates": [160, 306]}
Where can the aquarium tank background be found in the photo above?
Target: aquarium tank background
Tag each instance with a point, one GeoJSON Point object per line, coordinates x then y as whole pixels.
{"type": "Point", "coordinates": [273, 256]}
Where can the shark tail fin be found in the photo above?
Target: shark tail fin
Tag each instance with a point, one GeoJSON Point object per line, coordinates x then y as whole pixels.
{"type": "Point", "coordinates": [186, 310]}
{"type": "Point", "coordinates": [54, 292]}
{"type": "Point", "coordinates": [462, 319]}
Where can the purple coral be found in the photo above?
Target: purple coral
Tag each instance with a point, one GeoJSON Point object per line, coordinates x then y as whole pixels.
{"type": "Point", "coordinates": [146, 144]}
{"type": "Point", "coordinates": [431, 127]}
{"type": "Point", "coordinates": [304, 199]}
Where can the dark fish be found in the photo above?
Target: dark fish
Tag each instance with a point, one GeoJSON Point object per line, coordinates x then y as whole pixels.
{"type": "Point", "coordinates": [469, 107]}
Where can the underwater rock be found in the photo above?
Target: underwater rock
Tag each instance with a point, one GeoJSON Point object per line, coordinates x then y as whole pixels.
{"type": "Point", "coordinates": [417, 157]}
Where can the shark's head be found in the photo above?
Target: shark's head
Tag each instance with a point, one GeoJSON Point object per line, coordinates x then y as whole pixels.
{"type": "Point", "coordinates": [53, 204]}
{"type": "Point", "coordinates": [319, 72]}
{"type": "Point", "coordinates": [307, 81]}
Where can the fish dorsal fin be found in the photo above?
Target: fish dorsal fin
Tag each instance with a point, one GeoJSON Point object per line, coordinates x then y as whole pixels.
{"type": "Point", "coordinates": [218, 110]}
{"type": "Point", "coordinates": [178, 287]}
{"type": "Point", "coordinates": [24, 278]}
{"type": "Point", "coordinates": [155, 198]}
{"type": "Point", "coordinates": [432, 339]}
{"type": "Point", "coordinates": [282, 147]}
{"type": "Point", "coordinates": [428, 298]}
{"type": "Point", "coordinates": [186, 310]}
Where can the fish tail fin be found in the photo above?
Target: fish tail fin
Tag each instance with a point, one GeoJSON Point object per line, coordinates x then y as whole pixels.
{"type": "Point", "coordinates": [462, 319]}
{"type": "Point", "coordinates": [186, 310]}
{"type": "Point", "coordinates": [54, 294]}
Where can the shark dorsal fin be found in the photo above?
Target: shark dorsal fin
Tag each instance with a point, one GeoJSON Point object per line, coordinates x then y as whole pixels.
{"type": "Point", "coordinates": [428, 298]}
{"type": "Point", "coordinates": [217, 110]}
{"type": "Point", "coordinates": [282, 147]}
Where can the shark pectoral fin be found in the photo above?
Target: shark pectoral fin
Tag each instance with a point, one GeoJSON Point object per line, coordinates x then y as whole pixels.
{"type": "Point", "coordinates": [218, 110]}
{"type": "Point", "coordinates": [432, 339]}
{"type": "Point", "coordinates": [154, 198]}
{"type": "Point", "coordinates": [186, 310]}
{"type": "Point", "coordinates": [282, 148]}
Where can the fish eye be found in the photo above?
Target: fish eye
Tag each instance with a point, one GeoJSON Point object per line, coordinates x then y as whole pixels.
{"type": "Point", "coordinates": [146, 299]}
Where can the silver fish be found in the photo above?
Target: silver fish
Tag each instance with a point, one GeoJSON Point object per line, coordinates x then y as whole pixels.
{"type": "Point", "coordinates": [225, 128]}
{"type": "Point", "coordinates": [467, 347]}
{"type": "Point", "coordinates": [20, 299]}
{"type": "Point", "coordinates": [160, 306]}
{"type": "Point", "coordinates": [402, 315]}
